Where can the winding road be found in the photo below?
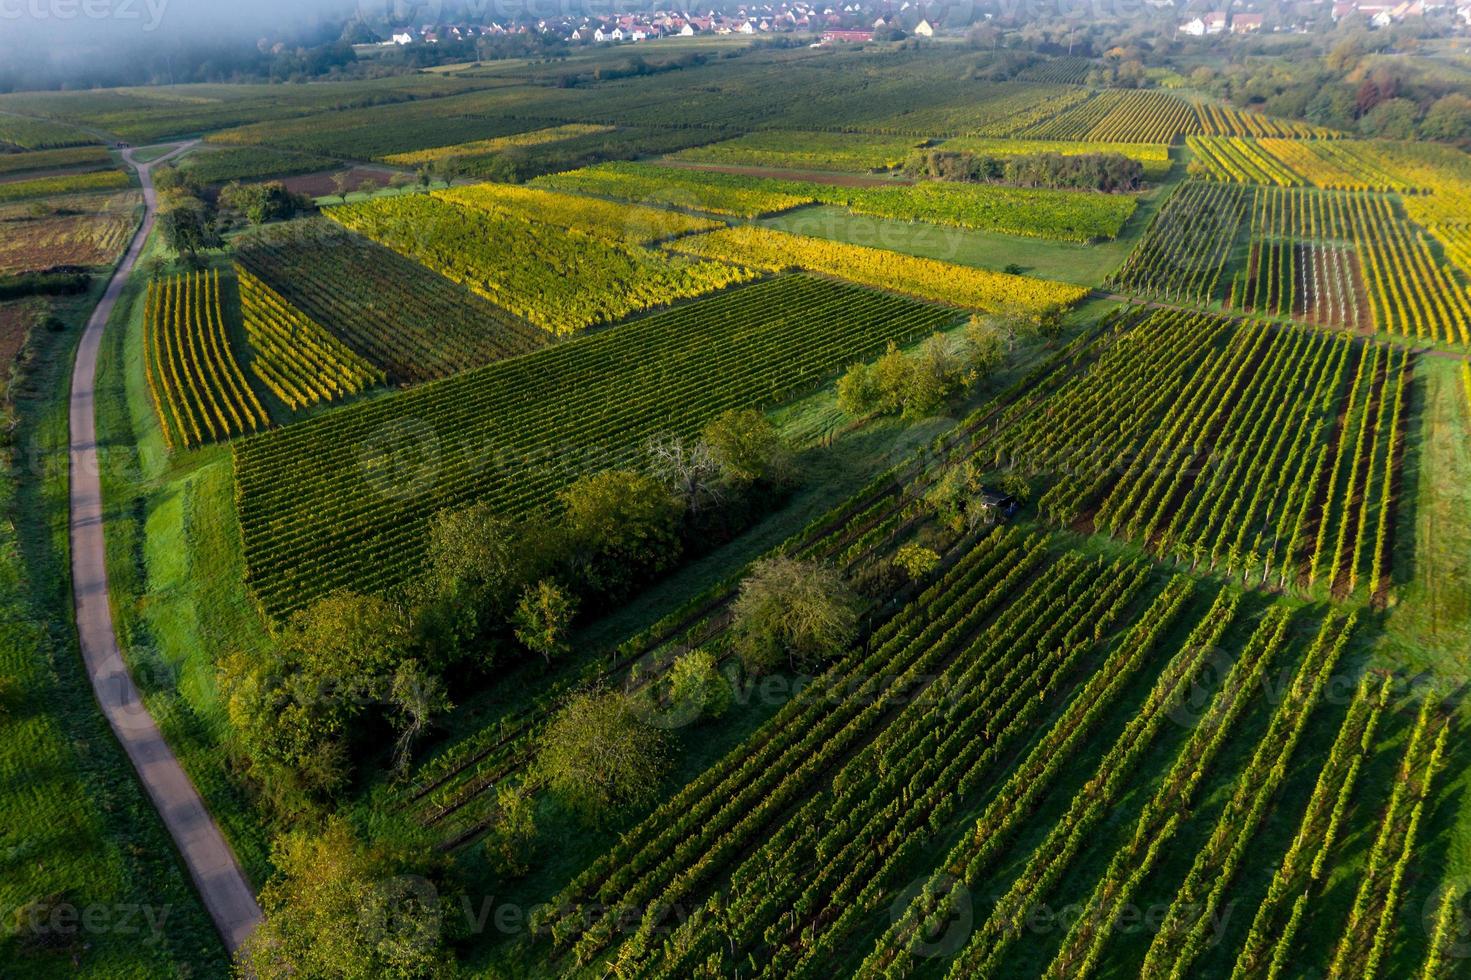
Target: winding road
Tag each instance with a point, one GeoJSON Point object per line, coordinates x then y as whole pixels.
{"type": "Point", "coordinates": [217, 875]}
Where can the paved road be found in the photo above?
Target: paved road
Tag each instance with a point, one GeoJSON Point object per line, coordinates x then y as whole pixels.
{"type": "Point", "coordinates": [217, 875]}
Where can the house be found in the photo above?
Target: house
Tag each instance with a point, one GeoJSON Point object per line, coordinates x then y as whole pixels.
{"type": "Point", "coordinates": [924, 29]}
{"type": "Point", "coordinates": [407, 37]}
{"type": "Point", "coordinates": [847, 37]}
{"type": "Point", "coordinates": [687, 31]}
{"type": "Point", "coordinates": [1195, 27]}
{"type": "Point", "coordinates": [1215, 22]}
{"type": "Point", "coordinates": [1246, 23]}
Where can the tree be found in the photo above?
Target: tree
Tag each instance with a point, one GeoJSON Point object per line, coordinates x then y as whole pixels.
{"type": "Point", "coordinates": [187, 230]}
{"type": "Point", "coordinates": [340, 181]}
{"type": "Point", "coordinates": [351, 643]}
{"type": "Point", "coordinates": [338, 909]}
{"type": "Point", "coordinates": [474, 556]}
{"type": "Point", "coordinates": [938, 373]}
{"type": "Point", "coordinates": [1448, 118]}
{"type": "Point", "coordinates": [260, 203]}
{"type": "Point", "coordinates": [916, 560]}
{"type": "Point", "coordinates": [416, 696]}
{"type": "Point", "coordinates": [893, 377]}
{"type": "Point", "coordinates": [1332, 107]}
{"type": "Point", "coordinates": [794, 612]}
{"type": "Point", "coordinates": [511, 840]}
{"type": "Point", "coordinates": [687, 469]}
{"type": "Point", "coordinates": [624, 528]}
{"type": "Point", "coordinates": [286, 732]}
{"type": "Point", "coordinates": [696, 687]}
{"type": "Point", "coordinates": [600, 758]}
{"type": "Point", "coordinates": [858, 392]}
{"type": "Point", "coordinates": [989, 340]}
{"type": "Point", "coordinates": [1391, 119]}
{"type": "Point", "coordinates": [747, 448]}
{"type": "Point", "coordinates": [171, 180]}
{"type": "Point", "coordinates": [543, 619]}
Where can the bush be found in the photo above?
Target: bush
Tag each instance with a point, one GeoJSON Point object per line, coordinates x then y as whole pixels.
{"type": "Point", "coordinates": [543, 619]}
{"type": "Point", "coordinates": [600, 758]}
{"type": "Point", "coordinates": [511, 840]}
{"type": "Point", "coordinates": [696, 687]}
{"type": "Point", "coordinates": [53, 283]}
{"type": "Point", "coordinates": [792, 612]}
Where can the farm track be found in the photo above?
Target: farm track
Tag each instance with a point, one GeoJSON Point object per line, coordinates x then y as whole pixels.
{"type": "Point", "coordinates": [206, 855]}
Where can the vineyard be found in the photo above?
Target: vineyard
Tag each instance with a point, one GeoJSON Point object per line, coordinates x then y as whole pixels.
{"type": "Point", "coordinates": [618, 223]}
{"type": "Point", "coordinates": [293, 357]}
{"type": "Point", "coordinates": [1344, 165]}
{"type": "Point", "coordinates": [78, 156]}
{"type": "Point", "coordinates": [1154, 156]}
{"type": "Point", "coordinates": [806, 151]}
{"type": "Point", "coordinates": [728, 194]}
{"type": "Point", "coordinates": [1312, 282]}
{"type": "Point", "coordinates": [405, 320]}
{"type": "Point", "coordinates": [101, 180]}
{"type": "Point", "coordinates": [1312, 425]}
{"type": "Point", "coordinates": [862, 777]}
{"type": "Point", "coordinates": [40, 134]}
{"type": "Point", "coordinates": [1183, 254]}
{"type": "Point", "coordinates": [561, 280]}
{"type": "Point", "coordinates": [1118, 116]}
{"type": "Point", "coordinates": [696, 519]}
{"type": "Point", "coordinates": [87, 231]}
{"type": "Point", "coordinates": [940, 282]}
{"type": "Point", "coordinates": [341, 500]}
{"type": "Point", "coordinates": [537, 137]}
{"type": "Point", "coordinates": [1062, 215]}
{"type": "Point", "coordinates": [198, 389]}
{"type": "Point", "coordinates": [222, 165]}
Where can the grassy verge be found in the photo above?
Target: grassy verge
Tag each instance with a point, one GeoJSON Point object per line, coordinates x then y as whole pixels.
{"type": "Point", "coordinates": [176, 574]}
{"type": "Point", "coordinates": [77, 831]}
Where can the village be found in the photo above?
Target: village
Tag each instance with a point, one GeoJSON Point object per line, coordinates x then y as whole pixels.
{"type": "Point", "coordinates": [848, 23]}
{"type": "Point", "coordinates": [859, 23]}
{"type": "Point", "coordinates": [1376, 15]}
